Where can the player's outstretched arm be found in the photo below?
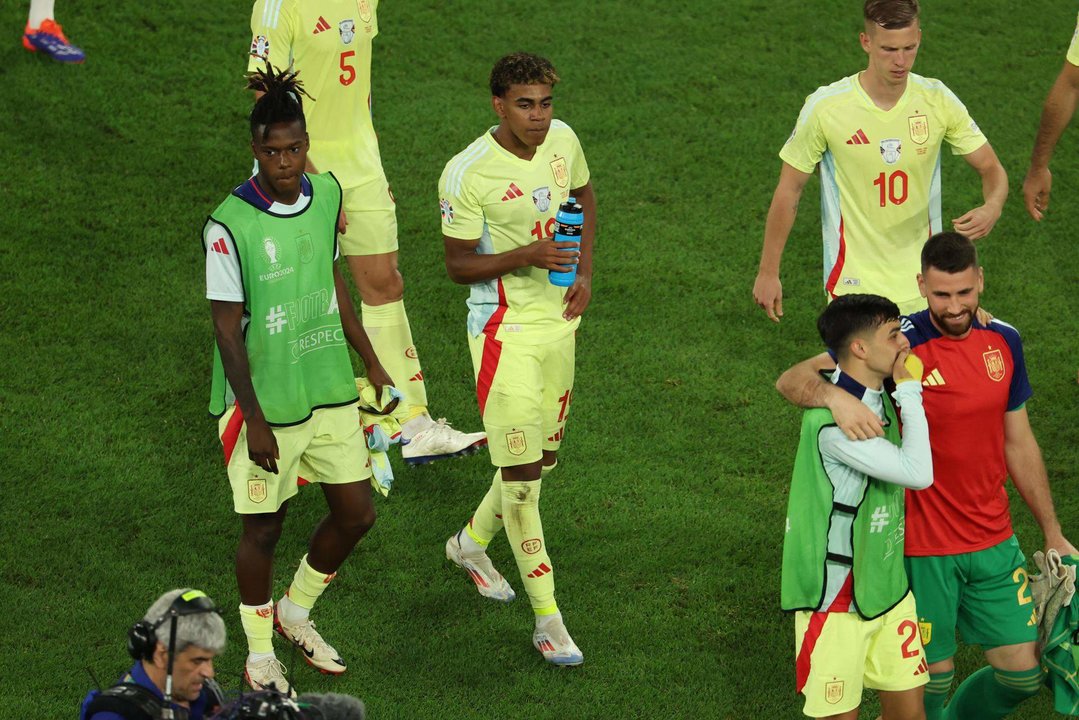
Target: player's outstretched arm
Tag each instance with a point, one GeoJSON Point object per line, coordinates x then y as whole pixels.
{"type": "Point", "coordinates": [578, 296]}
{"type": "Point", "coordinates": [1056, 114]}
{"type": "Point", "coordinates": [466, 266]}
{"type": "Point", "coordinates": [803, 386]}
{"type": "Point", "coordinates": [261, 443]}
{"type": "Point", "coordinates": [1027, 470]}
{"type": "Point", "coordinates": [767, 289]}
{"type": "Point", "coordinates": [977, 223]}
{"type": "Point", "coordinates": [357, 336]}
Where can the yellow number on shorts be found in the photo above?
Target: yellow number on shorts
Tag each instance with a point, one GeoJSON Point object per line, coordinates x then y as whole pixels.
{"type": "Point", "coordinates": [1022, 594]}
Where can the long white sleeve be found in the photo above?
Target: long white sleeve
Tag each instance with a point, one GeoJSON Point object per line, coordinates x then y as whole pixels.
{"type": "Point", "coordinates": [909, 465]}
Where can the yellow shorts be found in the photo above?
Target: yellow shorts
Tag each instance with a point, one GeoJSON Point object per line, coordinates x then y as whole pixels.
{"type": "Point", "coordinates": [524, 393]}
{"type": "Point", "coordinates": [838, 654]}
{"type": "Point", "coordinates": [328, 448]}
{"type": "Point", "coordinates": [372, 220]}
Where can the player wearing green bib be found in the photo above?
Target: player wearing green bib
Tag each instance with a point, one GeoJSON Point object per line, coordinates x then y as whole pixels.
{"type": "Point", "coordinates": [283, 381]}
{"type": "Point", "coordinates": [498, 200]}
{"type": "Point", "coordinates": [843, 575]}
{"type": "Point", "coordinates": [331, 42]}
{"type": "Point", "coordinates": [876, 137]}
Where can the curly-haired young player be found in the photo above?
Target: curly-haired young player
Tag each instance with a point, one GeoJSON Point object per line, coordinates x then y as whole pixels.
{"type": "Point", "coordinates": [498, 199]}
{"type": "Point", "coordinates": [283, 381]}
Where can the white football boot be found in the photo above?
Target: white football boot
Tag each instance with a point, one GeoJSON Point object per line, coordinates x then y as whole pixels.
{"type": "Point", "coordinates": [488, 581]}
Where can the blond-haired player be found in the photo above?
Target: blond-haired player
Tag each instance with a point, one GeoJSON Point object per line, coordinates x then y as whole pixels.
{"type": "Point", "coordinates": [876, 136]}
{"type": "Point", "coordinates": [498, 199]}
{"type": "Point", "coordinates": [329, 42]}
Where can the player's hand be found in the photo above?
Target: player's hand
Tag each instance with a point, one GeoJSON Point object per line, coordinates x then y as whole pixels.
{"type": "Point", "coordinates": [901, 371]}
{"type": "Point", "coordinates": [1036, 188]}
{"type": "Point", "coordinates": [983, 315]}
{"type": "Point", "coordinates": [559, 256]}
{"type": "Point", "coordinates": [1060, 543]}
{"type": "Point", "coordinates": [379, 378]}
{"type": "Point", "coordinates": [768, 294]}
{"type": "Point", "coordinates": [578, 297]}
{"type": "Point", "coordinates": [342, 222]}
{"type": "Point", "coordinates": [262, 445]}
{"type": "Point", "coordinates": [977, 223]}
{"type": "Point", "coordinates": [855, 418]}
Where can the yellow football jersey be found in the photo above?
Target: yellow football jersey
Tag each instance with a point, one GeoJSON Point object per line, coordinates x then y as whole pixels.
{"type": "Point", "coordinates": [486, 193]}
{"type": "Point", "coordinates": [880, 179]}
{"type": "Point", "coordinates": [329, 43]}
{"type": "Point", "coordinates": [1073, 49]}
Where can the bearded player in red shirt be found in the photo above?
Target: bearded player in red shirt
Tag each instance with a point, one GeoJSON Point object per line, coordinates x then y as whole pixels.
{"type": "Point", "coordinates": [965, 565]}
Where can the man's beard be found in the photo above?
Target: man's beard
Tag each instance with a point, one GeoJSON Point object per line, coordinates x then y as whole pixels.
{"type": "Point", "coordinates": [955, 327]}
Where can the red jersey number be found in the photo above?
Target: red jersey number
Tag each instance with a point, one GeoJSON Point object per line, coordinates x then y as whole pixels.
{"type": "Point", "coordinates": [893, 188]}
{"type": "Point", "coordinates": [348, 71]}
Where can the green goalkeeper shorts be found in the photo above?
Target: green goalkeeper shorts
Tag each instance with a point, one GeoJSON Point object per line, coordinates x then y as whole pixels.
{"type": "Point", "coordinates": [983, 594]}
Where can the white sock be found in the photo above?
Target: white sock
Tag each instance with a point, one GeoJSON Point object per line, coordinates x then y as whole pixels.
{"type": "Point", "coordinates": [40, 11]}
{"type": "Point", "coordinates": [545, 622]}
{"type": "Point", "coordinates": [470, 546]}
{"type": "Point", "coordinates": [290, 613]}
{"type": "Point", "coordinates": [415, 426]}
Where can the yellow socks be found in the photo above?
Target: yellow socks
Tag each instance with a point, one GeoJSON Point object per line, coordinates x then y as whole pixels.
{"type": "Point", "coordinates": [487, 520]}
{"type": "Point", "coordinates": [257, 621]}
{"type": "Point", "coordinates": [524, 530]}
{"type": "Point", "coordinates": [391, 337]}
{"type": "Point", "coordinates": [307, 585]}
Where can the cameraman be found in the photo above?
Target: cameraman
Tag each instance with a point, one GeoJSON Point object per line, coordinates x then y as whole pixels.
{"type": "Point", "coordinates": [174, 646]}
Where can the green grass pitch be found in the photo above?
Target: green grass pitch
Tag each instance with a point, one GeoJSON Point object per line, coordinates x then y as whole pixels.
{"type": "Point", "coordinates": [666, 515]}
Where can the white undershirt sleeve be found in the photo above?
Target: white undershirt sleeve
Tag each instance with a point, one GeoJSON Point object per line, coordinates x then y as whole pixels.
{"type": "Point", "coordinates": [909, 465]}
{"type": "Point", "coordinates": [223, 280]}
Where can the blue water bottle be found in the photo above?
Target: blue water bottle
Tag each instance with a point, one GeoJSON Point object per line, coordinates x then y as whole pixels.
{"type": "Point", "coordinates": [569, 223]}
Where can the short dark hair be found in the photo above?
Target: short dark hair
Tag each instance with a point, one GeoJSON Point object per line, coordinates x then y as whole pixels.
{"type": "Point", "coordinates": [281, 101]}
{"type": "Point", "coordinates": [950, 252]}
{"type": "Point", "coordinates": [850, 315]}
{"type": "Point", "coordinates": [891, 14]}
{"type": "Point", "coordinates": [521, 68]}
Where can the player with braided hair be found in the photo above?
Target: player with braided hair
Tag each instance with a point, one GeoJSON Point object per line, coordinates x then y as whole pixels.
{"type": "Point", "coordinates": [283, 382]}
{"type": "Point", "coordinates": [331, 42]}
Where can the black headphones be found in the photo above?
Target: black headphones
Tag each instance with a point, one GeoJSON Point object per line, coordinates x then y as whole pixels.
{"type": "Point", "coordinates": [142, 637]}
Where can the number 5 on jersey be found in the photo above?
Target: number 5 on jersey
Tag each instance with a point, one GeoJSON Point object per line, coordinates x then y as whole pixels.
{"type": "Point", "coordinates": [348, 71]}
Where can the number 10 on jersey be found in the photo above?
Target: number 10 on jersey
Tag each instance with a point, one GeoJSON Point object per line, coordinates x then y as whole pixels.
{"type": "Point", "coordinates": [893, 188]}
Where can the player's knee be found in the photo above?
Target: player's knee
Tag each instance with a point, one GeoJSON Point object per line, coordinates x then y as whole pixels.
{"type": "Point", "coordinates": [262, 538]}
{"type": "Point", "coordinates": [384, 287]}
{"type": "Point", "coordinates": [357, 524]}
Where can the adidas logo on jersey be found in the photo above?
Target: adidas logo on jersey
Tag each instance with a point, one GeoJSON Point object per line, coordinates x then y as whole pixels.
{"type": "Point", "coordinates": [321, 25]}
{"type": "Point", "coordinates": [418, 377]}
{"type": "Point", "coordinates": [219, 246]}
{"type": "Point", "coordinates": [858, 138]}
{"type": "Point", "coordinates": [513, 193]}
{"type": "Point", "coordinates": [934, 378]}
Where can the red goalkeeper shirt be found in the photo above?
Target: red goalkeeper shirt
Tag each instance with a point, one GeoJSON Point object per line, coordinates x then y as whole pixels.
{"type": "Point", "coordinates": [968, 385]}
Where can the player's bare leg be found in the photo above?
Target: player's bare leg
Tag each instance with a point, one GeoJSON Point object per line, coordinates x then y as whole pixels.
{"type": "Point", "coordinates": [384, 319]}
{"type": "Point", "coordinates": [903, 705]}
{"type": "Point", "coordinates": [849, 715]}
{"type": "Point", "coordinates": [254, 555]}
{"type": "Point", "coordinates": [254, 576]}
{"type": "Point", "coordinates": [351, 515]}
